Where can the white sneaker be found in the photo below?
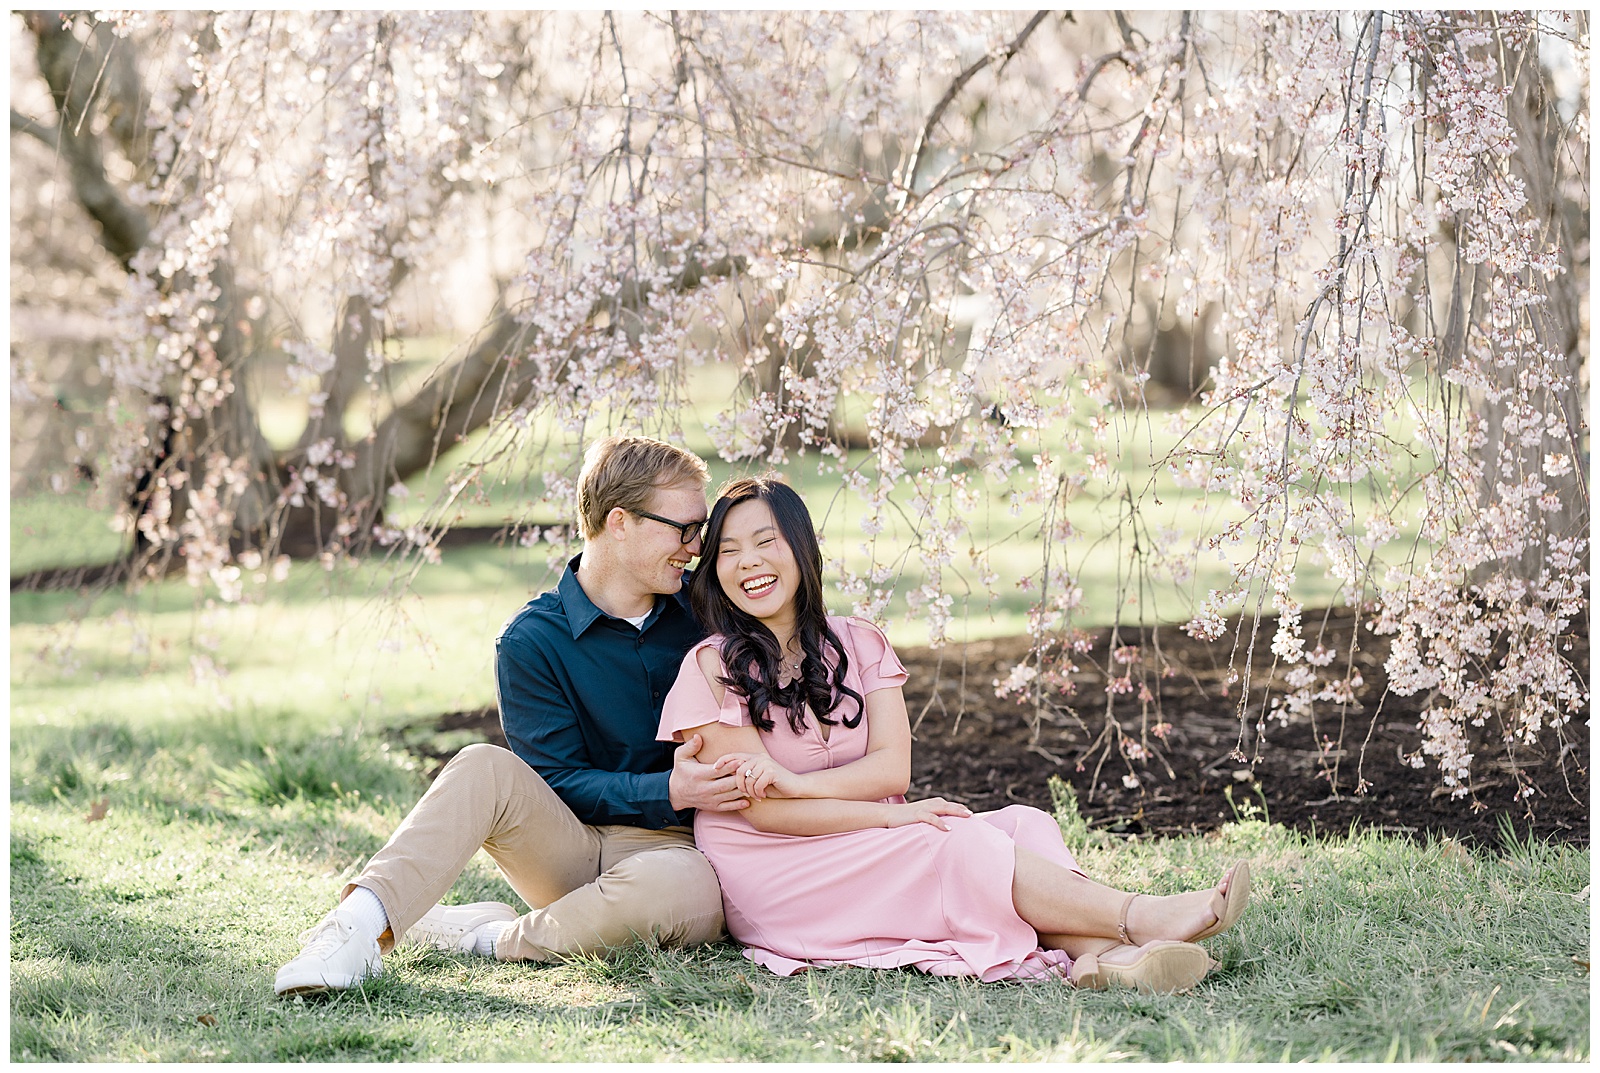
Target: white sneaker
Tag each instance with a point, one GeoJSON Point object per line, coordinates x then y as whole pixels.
{"type": "Point", "coordinates": [336, 956]}
{"type": "Point", "coordinates": [455, 927]}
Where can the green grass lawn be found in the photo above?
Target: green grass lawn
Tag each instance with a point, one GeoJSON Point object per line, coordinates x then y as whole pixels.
{"type": "Point", "coordinates": [153, 935]}
{"type": "Point", "coordinates": [237, 805]}
{"type": "Point", "coordinates": [244, 761]}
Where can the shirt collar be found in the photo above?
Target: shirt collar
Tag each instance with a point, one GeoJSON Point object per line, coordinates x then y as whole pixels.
{"type": "Point", "coordinates": [582, 611]}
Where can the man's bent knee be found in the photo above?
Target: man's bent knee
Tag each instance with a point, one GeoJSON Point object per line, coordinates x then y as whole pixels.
{"type": "Point", "coordinates": [669, 896]}
{"type": "Point", "coordinates": [481, 756]}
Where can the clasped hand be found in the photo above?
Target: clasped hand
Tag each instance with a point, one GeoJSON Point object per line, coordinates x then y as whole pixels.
{"type": "Point", "coordinates": [731, 782]}
{"type": "Point", "coordinates": [701, 786]}
{"type": "Point", "coordinates": [757, 774]}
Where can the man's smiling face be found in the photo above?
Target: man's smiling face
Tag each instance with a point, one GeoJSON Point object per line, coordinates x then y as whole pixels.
{"type": "Point", "coordinates": [655, 551]}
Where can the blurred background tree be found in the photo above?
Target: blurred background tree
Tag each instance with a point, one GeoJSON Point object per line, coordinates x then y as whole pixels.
{"type": "Point", "coordinates": [1328, 270]}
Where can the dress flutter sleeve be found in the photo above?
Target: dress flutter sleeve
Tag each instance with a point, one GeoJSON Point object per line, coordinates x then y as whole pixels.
{"type": "Point", "coordinates": [872, 661]}
{"type": "Point", "coordinates": [692, 703]}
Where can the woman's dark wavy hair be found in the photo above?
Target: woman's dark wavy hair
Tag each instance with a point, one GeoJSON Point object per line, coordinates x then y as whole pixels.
{"type": "Point", "coordinates": [750, 652]}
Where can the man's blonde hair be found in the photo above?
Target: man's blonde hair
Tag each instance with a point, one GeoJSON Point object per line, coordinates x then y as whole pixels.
{"type": "Point", "coordinates": [622, 471]}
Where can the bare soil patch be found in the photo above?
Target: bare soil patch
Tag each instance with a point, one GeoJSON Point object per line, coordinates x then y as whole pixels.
{"type": "Point", "coordinates": [986, 752]}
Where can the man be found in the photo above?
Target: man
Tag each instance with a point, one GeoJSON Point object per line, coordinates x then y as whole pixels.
{"type": "Point", "coordinates": [587, 815]}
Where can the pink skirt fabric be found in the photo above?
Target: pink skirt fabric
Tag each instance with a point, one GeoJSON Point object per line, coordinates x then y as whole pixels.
{"type": "Point", "coordinates": [916, 896]}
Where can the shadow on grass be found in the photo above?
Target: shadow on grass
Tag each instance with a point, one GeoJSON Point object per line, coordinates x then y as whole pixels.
{"type": "Point", "coordinates": [208, 759]}
{"type": "Point", "coordinates": [1355, 948]}
{"type": "Point", "coordinates": [97, 975]}
{"type": "Point", "coordinates": [86, 955]}
{"type": "Point", "coordinates": [320, 806]}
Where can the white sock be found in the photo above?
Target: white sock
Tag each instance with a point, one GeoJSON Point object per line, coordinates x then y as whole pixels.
{"type": "Point", "coordinates": [368, 912]}
{"type": "Point", "coordinates": [488, 936]}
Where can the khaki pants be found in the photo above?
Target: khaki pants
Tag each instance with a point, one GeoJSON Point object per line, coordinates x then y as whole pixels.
{"type": "Point", "coordinates": [592, 888]}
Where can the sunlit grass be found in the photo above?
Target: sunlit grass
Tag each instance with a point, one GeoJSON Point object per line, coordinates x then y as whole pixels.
{"type": "Point", "coordinates": [362, 651]}
{"type": "Point", "coordinates": [153, 935]}
{"type": "Point", "coordinates": [239, 799]}
{"type": "Point", "coordinates": [245, 758]}
{"type": "Point", "coordinates": [61, 530]}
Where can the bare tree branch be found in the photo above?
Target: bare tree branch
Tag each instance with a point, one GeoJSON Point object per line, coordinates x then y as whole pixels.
{"type": "Point", "coordinates": [908, 177]}
{"type": "Point", "coordinates": [67, 65]}
{"type": "Point", "coordinates": [21, 124]}
{"type": "Point", "coordinates": [464, 397]}
{"type": "Point", "coordinates": [122, 95]}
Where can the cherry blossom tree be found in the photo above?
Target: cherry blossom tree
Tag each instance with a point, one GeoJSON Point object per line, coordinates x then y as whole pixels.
{"type": "Point", "coordinates": [1340, 256]}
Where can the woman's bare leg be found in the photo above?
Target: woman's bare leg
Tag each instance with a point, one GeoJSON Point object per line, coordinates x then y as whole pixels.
{"type": "Point", "coordinates": [1063, 905]}
{"type": "Point", "coordinates": [1078, 945]}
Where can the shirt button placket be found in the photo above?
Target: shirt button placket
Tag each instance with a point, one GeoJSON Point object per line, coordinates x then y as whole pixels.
{"type": "Point", "coordinates": [638, 647]}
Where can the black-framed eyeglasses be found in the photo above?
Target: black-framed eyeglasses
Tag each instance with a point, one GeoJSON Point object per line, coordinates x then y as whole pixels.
{"type": "Point", "coordinates": [688, 532]}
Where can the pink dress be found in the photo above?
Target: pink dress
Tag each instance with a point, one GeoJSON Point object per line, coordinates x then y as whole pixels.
{"type": "Point", "coordinates": [939, 901]}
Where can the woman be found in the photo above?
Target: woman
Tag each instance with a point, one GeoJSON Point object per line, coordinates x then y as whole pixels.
{"type": "Point", "coordinates": [829, 864]}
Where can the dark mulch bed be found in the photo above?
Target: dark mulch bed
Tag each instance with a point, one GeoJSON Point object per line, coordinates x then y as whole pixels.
{"type": "Point", "coordinates": [988, 753]}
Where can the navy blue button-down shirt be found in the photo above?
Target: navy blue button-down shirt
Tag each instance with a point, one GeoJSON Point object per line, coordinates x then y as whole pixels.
{"type": "Point", "coordinates": [580, 696]}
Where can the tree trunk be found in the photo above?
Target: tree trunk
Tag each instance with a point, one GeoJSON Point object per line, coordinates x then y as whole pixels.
{"type": "Point", "coordinates": [1539, 162]}
{"type": "Point", "coordinates": [1545, 163]}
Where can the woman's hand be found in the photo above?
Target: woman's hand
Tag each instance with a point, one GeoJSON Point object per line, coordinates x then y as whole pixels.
{"type": "Point", "coordinates": [757, 773]}
{"type": "Point", "coordinates": [932, 811]}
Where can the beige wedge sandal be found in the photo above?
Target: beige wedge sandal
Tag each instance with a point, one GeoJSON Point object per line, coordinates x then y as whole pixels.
{"type": "Point", "coordinates": [1162, 967]}
{"type": "Point", "coordinates": [1227, 908]}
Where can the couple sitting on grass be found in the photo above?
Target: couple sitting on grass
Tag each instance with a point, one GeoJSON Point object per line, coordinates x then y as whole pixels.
{"type": "Point", "coordinates": [794, 754]}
